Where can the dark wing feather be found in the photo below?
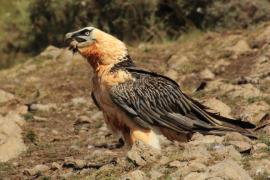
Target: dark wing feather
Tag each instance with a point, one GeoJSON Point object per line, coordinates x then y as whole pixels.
{"type": "Point", "coordinates": [153, 99]}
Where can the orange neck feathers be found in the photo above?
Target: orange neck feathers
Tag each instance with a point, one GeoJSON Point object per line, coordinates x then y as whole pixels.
{"type": "Point", "coordinates": [106, 50]}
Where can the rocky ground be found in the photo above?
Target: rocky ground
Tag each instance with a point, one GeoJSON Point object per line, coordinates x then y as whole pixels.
{"type": "Point", "coordinates": [49, 126]}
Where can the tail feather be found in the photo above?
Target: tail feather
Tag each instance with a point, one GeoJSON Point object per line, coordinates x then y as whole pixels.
{"type": "Point", "coordinates": [221, 125]}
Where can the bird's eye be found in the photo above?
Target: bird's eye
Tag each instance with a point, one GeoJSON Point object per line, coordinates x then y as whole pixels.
{"type": "Point", "coordinates": [87, 33]}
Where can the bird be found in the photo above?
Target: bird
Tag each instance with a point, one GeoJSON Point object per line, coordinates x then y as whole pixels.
{"type": "Point", "coordinates": [139, 104]}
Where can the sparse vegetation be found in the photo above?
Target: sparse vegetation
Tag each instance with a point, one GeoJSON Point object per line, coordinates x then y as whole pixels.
{"type": "Point", "coordinates": [31, 136]}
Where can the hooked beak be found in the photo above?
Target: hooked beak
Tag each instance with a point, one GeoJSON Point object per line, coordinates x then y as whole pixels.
{"type": "Point", "coordinates": [71, 42]}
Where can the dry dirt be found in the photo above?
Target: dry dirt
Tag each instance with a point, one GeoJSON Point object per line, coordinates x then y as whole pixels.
{"type": "Point", "coordinates": [230, 70]}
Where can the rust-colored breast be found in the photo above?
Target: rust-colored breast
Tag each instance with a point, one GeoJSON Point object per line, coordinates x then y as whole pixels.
{"type": "Point", "coordinates": [103, 80]}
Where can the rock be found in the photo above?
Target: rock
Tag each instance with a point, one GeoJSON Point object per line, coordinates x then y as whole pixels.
{"type": "Point", "coordinates": [135, 175]}
{"type": "Point", "coordinates": [219, 86]}
{"type": "Point", "coordinates": [42, 107]}
{"type": "Point", "coordinates": [56, 166]}
{"type": "Point", "coordinates": [207, 75]}
{"type": "Point", "coordinates": [258, 147]}
{"type": "Point", "coordinates": [197, 176]}
{"type": "Point", "coordinates": [177, 164]}
{"type": "Point", "coordinates": [266, 130]}
{"type": "Point", "coordinates": [79, 101]}
{"type": "Point", "coordinates": [260, 167]}
{"type": "Point", "coordinates": [38, 169]}
{"type": "Point", "coordinates": [51, 52]}
{"type": "Point", "coordinates": [40, 119]}
{"type": "Point", "coordinates": [177, 62]}
{"type": "Point", "coordinates": [262, 37]}
{"type": "Point", "coordinates": [164, 160]}
{"type": "Point", "coordinates": [255, 112]}
{"type": "Point", "coordinates": [97, 115]}
{"type": "Point", "coordinates": [28, 69]}
{"type": "Point", "coordinates": [13, 107]}
{"type": "Point", "coordinates": [173, 74]}
{"type": "Point", "coordinates": [199, 139]}
{"type": "Point", "coordinates": [86, 171]}
{"type": "Point", "coordinates": [245, 91]}
{"type": "Point", "coordinates": [155, 175]}
{"type": "Point", "coordinates": [85, 119]}
{"type": "Point", "coordinates": [11, 140]}
{"type": "Point", "coordinates": [226, 152]}
{"type": "Point", "coordinates": [260, 155]}
{"type": "Point", "coordinates": [5, 96]}
{"type": "Point", "coordinates": [228, 169]}
{"type": "Point", "coordinates": [74, 163]}
{"type": "Point", "coordinates": [235, 136]}
{"type": "Point", "coordinates": [192, 166]}
{"type": "Point", "coordinates": [199, 153]}
{"type": "Point", "coordinates": [241, 146]}
{"type": "Point", "coordinates": [240, 47]}
{"type": "Point", "coordinates": [67, 175]}
{"type": "Point", "coordinates": [218, 107]}
{"type": "Point", "coordinates": [142, 154]}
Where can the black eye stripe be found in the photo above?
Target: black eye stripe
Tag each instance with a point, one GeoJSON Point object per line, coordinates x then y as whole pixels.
{"type": "Point", "coordinates": [84, 31]}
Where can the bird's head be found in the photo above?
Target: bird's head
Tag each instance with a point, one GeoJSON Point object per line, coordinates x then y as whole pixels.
{"type": "Point", "coordinates": [96, 46]}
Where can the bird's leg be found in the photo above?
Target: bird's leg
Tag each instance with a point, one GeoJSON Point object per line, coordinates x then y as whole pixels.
{"type": "Point", "coordinates": [116, 145]}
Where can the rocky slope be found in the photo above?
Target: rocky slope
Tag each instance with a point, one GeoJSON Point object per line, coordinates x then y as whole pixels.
{"type": "Point", "coordinates": [49, 125]}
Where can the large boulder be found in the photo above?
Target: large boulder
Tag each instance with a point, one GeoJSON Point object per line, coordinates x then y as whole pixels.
{"type": "Point", "coordinates": [11, 142]}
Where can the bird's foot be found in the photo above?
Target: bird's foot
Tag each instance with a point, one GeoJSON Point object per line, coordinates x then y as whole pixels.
{"type": "Point", "coordinates": [116, 145]}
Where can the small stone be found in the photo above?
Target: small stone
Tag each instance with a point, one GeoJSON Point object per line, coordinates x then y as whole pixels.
{"type": "Point", "coordinates": [241, 146]}
{"type": "Point", "coordinates": [240, 47]}
{"type": "Point", "coordinates": [207, 75]}
{"type": "Point", "coordinates": [199, 153]}
{"type": "Point", "coordinates": [260, 167]}
{"type": "Point", "coordinates": [246, 91]}
{"type": "Point", "coordinates": [228, 169]}
{"type": "Point", "coordinates": [255, 112]}
{"type": "Point", "coordinates": [43, 107]}
{"type": "Point", "coordinates": [67, 175]}
{"type": "Point", "coordinates": [196, 175]}
{"type": "Point", "coordinates": [135, 175]}
{"type": "Point", "coordinates": [75, 163]}
{"type": "Point", "coordinates": [218, 107]}
{"type": "Point", "coordinates": [141, 154]}
{"type": "Point", "coordinates": [259, 147]}
{"type": "Point", "coordinates": [79, 101]}
{"type": "Point", "coordinates": [40, 119]}
{"type": "Point", "coordinates": [176, 62]}
{"type": "Point", "coordinates": [38, 169]}
{"type": "Point", "coordinates": [85, 171]}
{"type": "Point", "coordinates": [51, 52]}
{"type": "Point", "coordinates": [192, 166]}
{"type": "Point", "coordinates": [227, 152]}
{"type": "Point", "coordinates": [85, 119]}
{"type": "Point", "coordinates": [177, 164]}
{"type": "Point", "coordinates": [266, 130]}
{"type": "Point", "coordinates": [164, 160]}
{"type": "Point", "coordinates": [56, 166]}
{"type": "Point", "coordinates": [199, 139]}
{"type": "Point", "coordinates": [5, 96]}
{"type": "Point", "coordinates": [173, 74]}
{"type": "Point", "coordinates": [96, 116]}
{"type": "Point", "coordinates": [260, 155]}
{"type": "Point", "coordinates": [235, 136]}
{"type": "Point", "coordinates": [154, 174]}
{"type": "Point", "coordinates": [55, 132]}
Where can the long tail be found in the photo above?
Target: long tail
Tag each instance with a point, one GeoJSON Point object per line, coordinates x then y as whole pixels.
{"type": "Point", "coordinates": [221, 125]}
